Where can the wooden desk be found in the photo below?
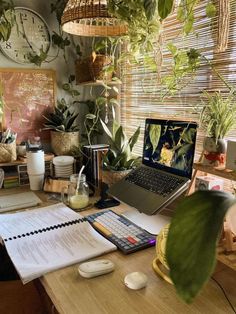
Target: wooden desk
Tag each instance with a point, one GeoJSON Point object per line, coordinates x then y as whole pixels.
{"type": "Point", "coordinates": [72, 294]}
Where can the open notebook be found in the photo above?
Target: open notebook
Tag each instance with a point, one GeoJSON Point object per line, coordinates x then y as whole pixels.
{"type": "Point", "coordinates": [45, 239]}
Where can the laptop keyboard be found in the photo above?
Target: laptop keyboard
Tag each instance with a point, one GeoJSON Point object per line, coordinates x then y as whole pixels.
{"type": "Point", "coordinates": [160, 183]}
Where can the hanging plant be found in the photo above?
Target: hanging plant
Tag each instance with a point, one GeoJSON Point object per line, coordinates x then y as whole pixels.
{"type": "Point", "coordinates": [7, 19]}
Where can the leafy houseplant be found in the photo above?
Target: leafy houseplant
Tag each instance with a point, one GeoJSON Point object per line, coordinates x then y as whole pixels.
{"type": "Point", "coordinates": [7, 19]}
{"type": "Point", "coordinates": [119, 156]}
{"type": "Point", "coordinates": [217, 118]}
{"type": "Point", "coordinates": [192, 240]}
{"type": "Point", "coordinates": [64, 133]}
{"type": "Point", "coordinates": [118, 160]}
{"type": "Point", "coordinates": [218, 115]}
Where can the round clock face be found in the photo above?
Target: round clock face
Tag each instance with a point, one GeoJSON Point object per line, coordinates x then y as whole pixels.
{"type": "Point", "coordinates": [29, 36]}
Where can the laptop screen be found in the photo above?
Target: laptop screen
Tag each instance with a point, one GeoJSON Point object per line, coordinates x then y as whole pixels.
{"type": "Point", "coordinates": [169, 145]}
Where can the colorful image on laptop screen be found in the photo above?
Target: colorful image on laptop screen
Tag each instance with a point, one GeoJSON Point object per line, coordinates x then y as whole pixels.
{"type": "Point", "coordinates": [170, 145]}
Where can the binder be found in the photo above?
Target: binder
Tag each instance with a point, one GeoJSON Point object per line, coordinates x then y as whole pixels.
{"type": "Point", "coordinates": [45, 239]}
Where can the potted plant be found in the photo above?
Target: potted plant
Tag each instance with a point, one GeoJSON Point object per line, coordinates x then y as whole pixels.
{"type": "Point", "coordinates": [64, 132]}
{"type": "Point", "coordinates": [118, 160]}
{"type": "Point", "coordinates": [102, 62]}
{"type": "Point", "coordinates": [217, 118]}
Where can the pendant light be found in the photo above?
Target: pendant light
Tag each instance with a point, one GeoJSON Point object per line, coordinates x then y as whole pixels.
{"type": "Point", "coordinates": [90, 18]}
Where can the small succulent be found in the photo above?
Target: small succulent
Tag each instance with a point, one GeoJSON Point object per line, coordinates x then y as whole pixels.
{"type": "Point", "coordinates": [62, 119]}
{"type": "Point", "coordinates": [119, 156]}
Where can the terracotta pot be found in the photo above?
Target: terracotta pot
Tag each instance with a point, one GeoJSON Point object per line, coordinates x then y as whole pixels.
{"type": "Point", "coordinates": [62, 142]}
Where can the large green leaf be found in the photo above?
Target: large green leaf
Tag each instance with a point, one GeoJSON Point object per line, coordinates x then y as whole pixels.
{"type": "Point", "coordinates": [154, 134]}
{"type": "Point", "coordinates": [165, 8]}
{"type": "Point", "coordinates": [192, 240]}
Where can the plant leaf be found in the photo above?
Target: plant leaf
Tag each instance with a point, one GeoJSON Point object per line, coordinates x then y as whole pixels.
{"type": "Point", "coordinates": [150, 8]}
{"type": "Point", "coordinates": [105, 128]}
{"type": "Point", "coordinates": [154, 134]}
{"type": "Point", "coordinates": [192, 240]}
{"type": "Point", "coordinates": [133, 139]}
{"type": "Point", "coordinates": [165, 8]}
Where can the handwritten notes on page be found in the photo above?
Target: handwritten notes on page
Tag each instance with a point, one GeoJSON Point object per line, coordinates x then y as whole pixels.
{"type": "Point", "coordinates": [45, 239]}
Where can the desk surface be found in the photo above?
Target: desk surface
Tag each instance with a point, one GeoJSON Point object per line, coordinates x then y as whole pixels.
{"type": "Point", "coordinates": [72, 294]}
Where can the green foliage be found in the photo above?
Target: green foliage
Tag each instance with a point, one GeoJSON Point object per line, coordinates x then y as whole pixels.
{"type": "Point", "coordinates": [38, 59]}
{"type": "Point", "coordinates": [7, 19]}
{"type": "Point", "coordinates": [59, 41]}
{"type": "Point", "coordinates": [119, 156]}
{"type": "Point", "coordinates": [92, 122]}
{"type": "Point", "coordinates": [185, 65]}
{"type": "Point", "coordinates": [210, 9]}
{"type": "Point", "coordinates": [62, 119]}
{"type": "Point", "coordinates": [154, 134]}
{"type": "Point", "coordinates": [165, 7]}
{"type": "Point", "coordinates": [58, 7]}
{"type": "Point", "coordinates": [142, 20]}
{"type": "Point", "coordinates": [192, 240]}
{"type": "Point", "coordinates": [218, 115]}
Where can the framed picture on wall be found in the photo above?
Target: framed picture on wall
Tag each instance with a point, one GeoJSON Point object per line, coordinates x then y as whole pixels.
{"type": "Point", "coordinates": [28, 94]}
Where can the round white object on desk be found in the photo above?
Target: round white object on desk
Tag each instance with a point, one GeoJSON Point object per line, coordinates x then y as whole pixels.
{"type": "Point", "coordinates": [136, 280]}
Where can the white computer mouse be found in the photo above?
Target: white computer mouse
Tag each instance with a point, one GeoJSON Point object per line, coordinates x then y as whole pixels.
{"type": "Point", "coordinates": [136, 280]}
{"type": "Point", "coordinates": [96, 268]}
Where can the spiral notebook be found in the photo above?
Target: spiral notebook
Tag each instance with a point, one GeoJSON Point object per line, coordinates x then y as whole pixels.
{"type": "Point", "coordinates": [45, 239]}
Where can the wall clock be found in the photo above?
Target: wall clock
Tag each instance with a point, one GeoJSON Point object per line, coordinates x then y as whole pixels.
{"type": "Point", "coordinates": [29, 34]}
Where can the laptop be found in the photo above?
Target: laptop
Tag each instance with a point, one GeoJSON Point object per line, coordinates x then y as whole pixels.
{"type": "Point", "coordinates": [166, 169]}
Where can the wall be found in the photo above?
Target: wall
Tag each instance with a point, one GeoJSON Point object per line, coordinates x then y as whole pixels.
{"type": "Point", "coordinates": [62, 68]}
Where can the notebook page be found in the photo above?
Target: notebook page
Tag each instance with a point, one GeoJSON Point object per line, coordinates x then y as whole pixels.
{"type": "Point", "coordinates": [38, 254]}
{"type": "Point", "coordinates": [28, 221]}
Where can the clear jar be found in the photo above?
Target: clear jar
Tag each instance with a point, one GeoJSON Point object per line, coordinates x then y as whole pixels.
{"type": "Point", "coordinates": [77, 197]}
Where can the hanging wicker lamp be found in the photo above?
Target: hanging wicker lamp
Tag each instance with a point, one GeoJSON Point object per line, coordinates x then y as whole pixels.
{"type": "Point", "coordinates": [90, 18]}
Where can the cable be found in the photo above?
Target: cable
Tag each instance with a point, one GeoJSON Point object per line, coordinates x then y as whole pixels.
{"type": "Point", "coordinates": [222, 289]}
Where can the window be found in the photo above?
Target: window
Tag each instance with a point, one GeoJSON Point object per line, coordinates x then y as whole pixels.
{"type": "Point", "coordinates": [141, 92]}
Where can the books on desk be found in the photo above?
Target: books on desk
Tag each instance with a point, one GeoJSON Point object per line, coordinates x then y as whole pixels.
{"type": "Point", "coordinates": [45, 239]}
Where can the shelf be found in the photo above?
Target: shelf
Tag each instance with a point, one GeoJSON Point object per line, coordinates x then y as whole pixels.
{"type": "Point", "coordinates": [47, 157]}
{"type": "Point", "coordinates": [100, 83]}
{"type": "Point", "coordinates": [217, 171]}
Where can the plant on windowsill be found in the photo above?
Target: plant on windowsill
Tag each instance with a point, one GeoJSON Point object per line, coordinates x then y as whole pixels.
{"type": "Point", "coordinates": [64, 132]}
{"type": "Point", "coordinates": [217, 117]}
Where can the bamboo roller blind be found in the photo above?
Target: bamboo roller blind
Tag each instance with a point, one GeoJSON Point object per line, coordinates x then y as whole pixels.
{"type": "Point", "coordinates": [140, 94]}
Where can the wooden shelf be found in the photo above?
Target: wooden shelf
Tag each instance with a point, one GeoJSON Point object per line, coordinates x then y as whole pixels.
{"type": "Point", "coordinates": [23, 160]}
{"type": "Point", "coordinates": [100, 83]}
{"type": "Point", "coordinates": [217, 171]}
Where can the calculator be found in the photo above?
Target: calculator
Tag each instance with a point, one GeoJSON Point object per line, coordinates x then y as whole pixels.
{"type": "Point", "coordinates": [127, 236]}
